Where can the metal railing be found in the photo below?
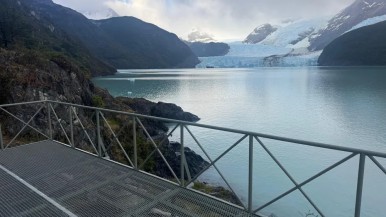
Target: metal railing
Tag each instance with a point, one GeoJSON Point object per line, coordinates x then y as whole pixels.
{"type": "Point", "coordinates": [253, 139]}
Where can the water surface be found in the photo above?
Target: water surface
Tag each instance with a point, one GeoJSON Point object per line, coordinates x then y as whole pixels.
{"type": "Point", "coordinates": [340, 106]}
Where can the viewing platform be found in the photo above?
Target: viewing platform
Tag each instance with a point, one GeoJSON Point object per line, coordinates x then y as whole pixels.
{"type": "Point", "coordinates": [52, 179]}
{"type": "Point", "coordinates": [61, 159]}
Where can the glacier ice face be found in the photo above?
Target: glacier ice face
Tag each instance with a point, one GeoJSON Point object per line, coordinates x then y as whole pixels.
{"type": "Point", "coordinates": [249, 55]}
{"type": "Point", "coordinates": [238, 49]}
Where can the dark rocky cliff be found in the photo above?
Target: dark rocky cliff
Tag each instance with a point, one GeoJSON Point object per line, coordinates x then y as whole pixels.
{"type": "Point", "coordinates": [365, 46]}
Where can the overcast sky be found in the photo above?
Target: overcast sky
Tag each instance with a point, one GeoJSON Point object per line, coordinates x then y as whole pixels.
{"type": "Point", "coordinates": [224, 19]}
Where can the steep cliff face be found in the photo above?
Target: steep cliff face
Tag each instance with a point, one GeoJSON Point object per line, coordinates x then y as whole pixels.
{"type": "Point", "coordinates": [365, 46]}
{"type": "Point", "coordinates": [28, 76]}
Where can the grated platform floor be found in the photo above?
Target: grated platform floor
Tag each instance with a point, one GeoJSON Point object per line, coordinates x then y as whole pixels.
{"type": "Point", "coordinates": [85, 185]}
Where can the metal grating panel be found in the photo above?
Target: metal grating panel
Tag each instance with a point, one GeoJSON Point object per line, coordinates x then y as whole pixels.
{"type": "Point", "coordinates": [90, 186]}
{"type": "Point", "coordinates": [16, 199]}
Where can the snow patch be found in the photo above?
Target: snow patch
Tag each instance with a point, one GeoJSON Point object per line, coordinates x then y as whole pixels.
{"type": "Point", "coordinates": [100, 14]}
{"type": "Point", "coordinates": [368, 22]}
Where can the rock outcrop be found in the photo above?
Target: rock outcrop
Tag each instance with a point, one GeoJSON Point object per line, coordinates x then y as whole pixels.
{"type": "Point", "coordinates": [160, 109]}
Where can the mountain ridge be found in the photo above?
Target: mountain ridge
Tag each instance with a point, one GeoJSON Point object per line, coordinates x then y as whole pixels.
{"type": "Point", "coordinates": [107, 48]}
{"type": "Point", "coordinates": [352, 15]}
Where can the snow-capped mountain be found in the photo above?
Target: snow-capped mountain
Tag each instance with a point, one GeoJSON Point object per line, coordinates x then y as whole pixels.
{"type": "Point", "coordinates": [260, 33]}
{"type": "Point", "coordinates": [358, 12]}
{"type": "Point", "coordinates": [293, 34]}
{"type": "Point", "coordinates": [198, 36]}
{"type": "Point", "coordinates": [100, 14]}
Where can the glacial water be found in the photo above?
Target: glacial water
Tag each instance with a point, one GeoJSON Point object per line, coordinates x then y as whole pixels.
{"type": "Point", "coordinates": [339, 106]}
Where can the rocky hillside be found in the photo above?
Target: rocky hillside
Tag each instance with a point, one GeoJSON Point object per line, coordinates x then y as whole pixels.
{"type": "Point", "coordinates": [364, 46]}
{"type": "Point", "coordinates": [39, 61]}
{"type": "Point", "coordinates": [359, 11]}
{"type": "Point", "coordinates": [29, 76]}
{"type": "Point", "coordinates": [124, 42]}
{"type": "Point", "coordinates": [22, 28]}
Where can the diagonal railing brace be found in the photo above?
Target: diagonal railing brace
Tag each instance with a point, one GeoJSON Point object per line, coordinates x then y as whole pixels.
{"type": "Point", "coordinates": [25, 125]}
{"type": "Point", "coordinates": [306, 182]}
{"type": "Point", "coordinates": [159, 152]}
{"type": "Point", "coordinates": [117, 140]}
{"type": "Point", "coordinates": [289, 176]}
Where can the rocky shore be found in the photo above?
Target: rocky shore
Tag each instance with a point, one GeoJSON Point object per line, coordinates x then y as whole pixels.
{"type": "Point", "coordinates": [28, 76]}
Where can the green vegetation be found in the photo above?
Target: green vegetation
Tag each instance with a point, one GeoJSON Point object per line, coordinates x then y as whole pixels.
{"type": "Point", "coordinates": [26, 31]}
{"type": "Point", "coordinates": [97, 101]}
{"type": "Point", "coordinates": [216, 191]}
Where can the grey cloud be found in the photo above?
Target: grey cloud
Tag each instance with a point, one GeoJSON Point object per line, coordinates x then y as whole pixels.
{"type": "Point", "coordinates": [221, 18]}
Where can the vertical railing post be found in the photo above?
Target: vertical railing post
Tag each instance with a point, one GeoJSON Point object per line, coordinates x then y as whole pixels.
{"type": "Point", "coordinates": [1, 139]}
{"type": "Point", "coordinates": [182, 171]}
{"type": "Point", "coordinates": [98, 133]}
{"type": "Point", "coordinates": [49, 120]}
{"type": "Point", "coordinates": [250, 174]}
{"type": "Point", "coordinates": [135, 143]}
{"type": "Point", "coordinates": [361, 172]}
{"type": "Point", "coordinates": [71, 129]}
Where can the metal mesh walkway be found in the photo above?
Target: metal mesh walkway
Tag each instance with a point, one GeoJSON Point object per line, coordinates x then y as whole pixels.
{"type": "Point", "coordinates": [90, 186]}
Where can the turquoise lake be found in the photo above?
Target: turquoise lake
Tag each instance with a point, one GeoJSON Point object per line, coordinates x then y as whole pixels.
{"type": "Point", "coordinates": [339, 106]}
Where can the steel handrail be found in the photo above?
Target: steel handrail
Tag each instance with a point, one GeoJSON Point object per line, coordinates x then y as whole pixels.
{"type": "Point", "coordinates": [183, 125]}
{"type": "Point", "coordinates": [261, 135]}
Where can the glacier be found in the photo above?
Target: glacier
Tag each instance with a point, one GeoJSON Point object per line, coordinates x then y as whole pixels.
{"type": "Point", "coordinates": [258, 55]}
{"type": "Point", "coordinates": [287, 46]}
